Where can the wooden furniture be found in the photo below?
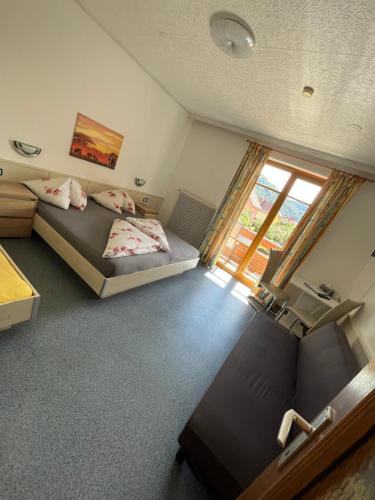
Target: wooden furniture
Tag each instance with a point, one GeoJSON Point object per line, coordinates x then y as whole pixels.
{"type": "Point", "coordinates": [17, 207]}
{"type": "Point", "coordinates": [102, 285]}
{"type": "Point", "coordinates": [146, 211]}
{"type": "Point", "coordinates": [18, 311]}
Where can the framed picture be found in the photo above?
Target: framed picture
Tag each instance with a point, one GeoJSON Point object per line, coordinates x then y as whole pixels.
{"type": "Point", "coordinates": [95, 143]}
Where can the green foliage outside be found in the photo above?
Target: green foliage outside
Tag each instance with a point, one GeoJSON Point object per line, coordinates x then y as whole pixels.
{"type": "Point", "coordinates": [291, 213]}
{"type": "Point", "coordinates": [279, 231]}
{"type": "Point", "coordinates": [250, 222]}
{"type": "Point", "coordinates": [291, 208]}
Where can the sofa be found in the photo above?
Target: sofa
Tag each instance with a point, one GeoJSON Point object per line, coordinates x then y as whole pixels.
{"type": "Point", "coordinates": [232, 434]}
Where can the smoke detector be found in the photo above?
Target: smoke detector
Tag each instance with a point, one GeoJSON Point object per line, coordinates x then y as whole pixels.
{"type": "Point", "coordinates": [307, 91]}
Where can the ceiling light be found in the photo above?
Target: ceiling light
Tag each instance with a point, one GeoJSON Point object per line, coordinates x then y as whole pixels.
{"type": "Point", "coordinates": [307, 91]}
{"type": "Point", "coordinates": [232, 36]}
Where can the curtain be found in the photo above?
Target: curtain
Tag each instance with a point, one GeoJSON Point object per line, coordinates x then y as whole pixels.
{"type": "Point", "coordinates": [234, 200]}
{"type": "Point", "coordinates": [336, 192]}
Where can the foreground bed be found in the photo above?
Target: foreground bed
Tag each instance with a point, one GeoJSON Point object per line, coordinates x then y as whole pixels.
{"type": "Point", "coordinates": [80, 238]}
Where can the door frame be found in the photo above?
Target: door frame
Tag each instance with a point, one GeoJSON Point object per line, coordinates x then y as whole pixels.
{"type": "Point", "coordinates": [295, 174]}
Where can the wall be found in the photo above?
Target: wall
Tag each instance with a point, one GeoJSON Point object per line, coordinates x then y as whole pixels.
{"type": "Point", "coordinates": [363, 323]}
{"type": "Point", "coordinates": [207, 163]}
{"type": "Point", "coordinates": [345, 248]}
{"type": "Point", "coordinates": [342, 258]}
{"type": "Point", "coordinates": [209, 160]}
{"type": "Point", "coordinates": [55, 62]}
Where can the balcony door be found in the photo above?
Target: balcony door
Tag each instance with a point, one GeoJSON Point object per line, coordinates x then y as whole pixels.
{"type": "Point", "coordinates": [271, 214]}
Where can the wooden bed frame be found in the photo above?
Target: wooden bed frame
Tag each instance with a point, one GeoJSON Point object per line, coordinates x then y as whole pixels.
{"type": "Point", "coordinates": [103, 286]}
{"type": "Point", "coordinates": [18, 311]}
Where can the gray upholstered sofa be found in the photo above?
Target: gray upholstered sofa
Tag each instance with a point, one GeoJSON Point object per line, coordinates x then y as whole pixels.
{"type": "Point", "coordinates": [231, 436]}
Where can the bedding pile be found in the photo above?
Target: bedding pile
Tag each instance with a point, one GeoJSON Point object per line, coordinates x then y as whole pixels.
{"type": "Point", "coordinates": [152, 228]}
{"type": "Point", "coordinates": [125, 239]}
{"type": "Point", "coordinates": [135, 237]}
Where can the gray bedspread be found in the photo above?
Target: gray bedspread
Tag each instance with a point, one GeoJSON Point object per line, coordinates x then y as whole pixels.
{"type": "Point", "coordinates": [88, 233]}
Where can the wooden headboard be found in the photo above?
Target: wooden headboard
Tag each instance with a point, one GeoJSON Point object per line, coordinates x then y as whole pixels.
{"type": "Point", "coordinates": [14, 171]}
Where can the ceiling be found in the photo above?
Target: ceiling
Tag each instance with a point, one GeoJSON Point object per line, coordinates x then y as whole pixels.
{"type": "Point", "coordinates": [329, 45]}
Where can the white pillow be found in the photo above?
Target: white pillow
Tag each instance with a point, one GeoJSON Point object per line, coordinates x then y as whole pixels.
{"type": "Point", "coordinates": [55, 191]}
{"type": "Point", "coordinates": [153, 229]}
{"type": "Point", "coordinates": [116, 200]}
{"type": "Point", "coordinates": [128, 205]}
{"type": "Point", "coordinates": [78, 198]}
{"type": "Point", "coordinates": [125, 239]}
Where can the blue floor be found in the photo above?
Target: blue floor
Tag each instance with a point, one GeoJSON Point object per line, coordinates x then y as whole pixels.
{"type": "Point", "coordinates": [94, 392]}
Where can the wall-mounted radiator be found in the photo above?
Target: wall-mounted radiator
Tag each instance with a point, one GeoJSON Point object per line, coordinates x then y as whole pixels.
{"type": "Point", "coordinates": [191, 218]}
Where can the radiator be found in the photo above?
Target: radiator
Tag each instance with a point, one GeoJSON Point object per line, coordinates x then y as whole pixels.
{"type": "Point", "coordinates": [191, 218]}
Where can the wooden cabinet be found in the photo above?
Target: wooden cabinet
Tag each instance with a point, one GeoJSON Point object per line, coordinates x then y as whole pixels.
{"type": "Point", "coordinates": [146, 211]}
{"type": "Point", "coordinates": [17, 207]}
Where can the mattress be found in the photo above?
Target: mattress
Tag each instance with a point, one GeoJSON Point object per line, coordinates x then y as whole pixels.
{"type": "Point", "coordinates": [12, 286]}
{"type": "Point", "coordinates": [88, 233]}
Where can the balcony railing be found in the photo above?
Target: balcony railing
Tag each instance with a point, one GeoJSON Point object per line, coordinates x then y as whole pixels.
{"type": "Point", "coordinates": [236, 248]}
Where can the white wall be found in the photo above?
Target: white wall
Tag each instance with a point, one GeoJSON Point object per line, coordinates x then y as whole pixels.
{"type": "Point", "coordinates": [364, 321]}
{"type": "Point", "coordinates": [208, 161]}
{"type": "Point", "coordinates": [55, 62]}
{"type": "Point", "coordinates": [343, 258]}
{"type": "Point", "coordinates": [347, 244]}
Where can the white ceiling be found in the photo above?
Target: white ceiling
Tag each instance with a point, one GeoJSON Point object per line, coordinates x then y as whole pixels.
{"type": "Point", "coordinates": [326, 44]}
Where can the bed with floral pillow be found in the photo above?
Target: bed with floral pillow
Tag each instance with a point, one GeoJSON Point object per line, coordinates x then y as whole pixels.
{"type": "Point", "coordinates": [81, 238]}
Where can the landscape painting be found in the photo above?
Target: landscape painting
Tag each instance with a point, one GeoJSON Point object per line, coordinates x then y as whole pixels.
{"type": "Point", "coordinates": [95, 143]}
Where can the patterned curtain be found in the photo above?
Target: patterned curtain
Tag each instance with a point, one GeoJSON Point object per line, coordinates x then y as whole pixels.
{"type": "Point", "coordinates": [336, 192]}
{"type": "Point", "coordinates": [234, 200]}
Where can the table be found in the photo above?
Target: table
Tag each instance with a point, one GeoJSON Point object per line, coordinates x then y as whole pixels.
{"type": "Point", "coordinates": [299, 282]}
{"type": "Point", "coordinates": [145, 210]}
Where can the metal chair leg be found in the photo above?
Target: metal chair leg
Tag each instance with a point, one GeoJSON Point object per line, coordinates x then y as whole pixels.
{"type": "Point", "coordinates": [280, 314]}
{"type": "Point", "coordinates": [291, 326]}
{"type": "Point", "coordinates": [284, 304]}
{"type": "Point", "coordinates": [270, 305]}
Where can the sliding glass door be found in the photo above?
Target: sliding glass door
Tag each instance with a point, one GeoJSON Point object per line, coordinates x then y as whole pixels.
{"type": "Point", "coordinates": [272, 212]}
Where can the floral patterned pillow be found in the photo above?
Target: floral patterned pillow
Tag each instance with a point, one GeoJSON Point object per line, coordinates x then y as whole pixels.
{"type": "Point", "coordinates": [125, 239]}
{"type": "Point", "coordinates": [55, 191]}
{"type": "Point", "coordinates": [78, 197]}
{"type": "Point", "coordinates": [115, 199]}
{"type": "Point", "coordinates": [128, 205]}
{"type": "Point", "coordinates": [152, 228]}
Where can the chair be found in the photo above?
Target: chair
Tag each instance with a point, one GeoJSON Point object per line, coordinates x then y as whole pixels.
{"type": "Point", "coordinates": [310, 323]}
{"type": "Point", "coordinates": [277, 294]}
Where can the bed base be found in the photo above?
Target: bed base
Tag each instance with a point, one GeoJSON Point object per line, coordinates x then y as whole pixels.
{"type": "Point", "coordinates": [103, 286]}
{"type": "Point", "coordinates": [21, 310]}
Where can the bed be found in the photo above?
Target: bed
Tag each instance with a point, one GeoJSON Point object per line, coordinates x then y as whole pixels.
{"type": "Point", "coordinates": [18, 298]}
{"type": "Point", "coordinates": [80, 238]}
